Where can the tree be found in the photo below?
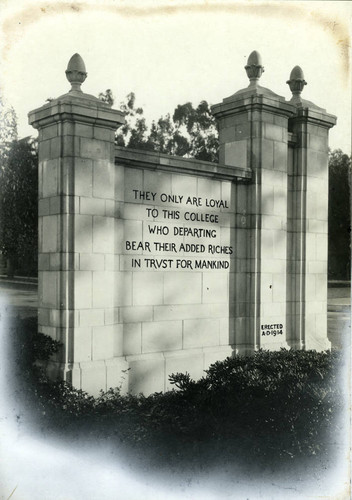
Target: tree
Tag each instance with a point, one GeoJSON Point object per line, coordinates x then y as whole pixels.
{"type": "Point", "coordinates": [198, 127]}
{"type": "Point", "coordinates": [8, 127]}
{"type": "Point", "coordinates": [191, 132]}
{"type": "Point", "coordinates": [339, 223]}
{"type": "Point", "coordinates": [134, 133]}
{"type": "Point", "coordinates": [18, 205]}
{"type": "Point", "coordinates": [107, 97]}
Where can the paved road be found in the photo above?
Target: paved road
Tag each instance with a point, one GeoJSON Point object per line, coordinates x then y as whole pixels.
{"type": "Point", "coordinates": [339, 317]}
{"type": "Point", "coordinates": [21, 299]}
{"type": "Point", "coordinates": [18, 299]}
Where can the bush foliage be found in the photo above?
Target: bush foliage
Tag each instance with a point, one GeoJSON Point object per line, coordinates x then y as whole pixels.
{"type": "Point", "coordinates": [270, 406]}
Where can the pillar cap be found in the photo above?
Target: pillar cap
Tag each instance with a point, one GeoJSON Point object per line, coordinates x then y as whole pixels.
{"type": "Point", "coordinates": [76, 72]}
{"type": "Point", "coordinates": [254, 68]}
{"type": "Point", "coordinates": [76, 105]}
{"type": "Point", "coordinates": [296, 83]}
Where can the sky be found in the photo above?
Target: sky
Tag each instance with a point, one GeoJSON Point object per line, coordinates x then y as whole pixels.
{"type": "Point", "coordinates": [170, 53]}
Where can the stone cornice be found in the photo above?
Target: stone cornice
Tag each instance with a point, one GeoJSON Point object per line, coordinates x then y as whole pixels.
{"type": "Point", "coordinates": [314, 117]}
{"type": "Point", "coordinates": [82, 108]}
{"type": "Point", "coordinates": [159, 162]}
{"type": "Point", "coordinates": [249, 101]}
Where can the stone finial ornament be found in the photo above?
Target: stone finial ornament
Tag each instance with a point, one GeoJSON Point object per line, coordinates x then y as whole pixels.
{"type": "Point", "coordinates": [296, 83]}
{"type": "Point", "coordinates": [254, 68]}
{"type": "Point", "coordinates": [76, 72]}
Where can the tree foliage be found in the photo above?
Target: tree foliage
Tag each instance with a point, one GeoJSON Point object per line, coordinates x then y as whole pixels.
{"type": "Point", "coordinates": [339, 223]}
{"type": "Point", "coordinates": [190, 132]}
{"type": "Point", "coordinates": [198, 126]}
{"type": "Point", "coordinates": [107, 97]}
{"type": "Point", "coordinates": [18, 205]}
{"type": "Point", "coordinates": [8, 127]}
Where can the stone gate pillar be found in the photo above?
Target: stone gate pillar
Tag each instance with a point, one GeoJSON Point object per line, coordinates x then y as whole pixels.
{"type": "Point", "coordinates": [78, 215]}
{"type": "Point", "coordinates": [279, 285]}
{"type": "Point", "coordinates": [307, 255]}
{"type": "Point", "coordinates": [253, 132]}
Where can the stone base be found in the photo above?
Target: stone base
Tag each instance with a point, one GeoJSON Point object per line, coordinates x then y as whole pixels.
{"type": "Point", "coordinates": [150, 372]}
{"type": "Point", "coordinates": [317, 344]}
{"type": "Point", "coordinates": [144, 373]}
{"type": "Point", "coordinates": [275, 346]}
{"type": "Point", "coordinates": [248, 349]}
{"type": "Point", "coordinates": [92, 376]}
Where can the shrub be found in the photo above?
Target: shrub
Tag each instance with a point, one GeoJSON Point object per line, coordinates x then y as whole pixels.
{"type": "Point", "coordinates": [282, 402]}
{"type": "Point", "coordinates": [270, 406]}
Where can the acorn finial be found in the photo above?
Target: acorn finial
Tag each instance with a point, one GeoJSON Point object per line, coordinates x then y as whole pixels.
{"type": "Point", "coordinates": [254, 68]}
{"type": "Point", "coordinates": [296, 83]}
{"type": "Point", "coordinates": [76, 72]}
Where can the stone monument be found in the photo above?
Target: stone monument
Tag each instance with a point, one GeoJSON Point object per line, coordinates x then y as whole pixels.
{"type": "Point", "coordinates": [151, 264]}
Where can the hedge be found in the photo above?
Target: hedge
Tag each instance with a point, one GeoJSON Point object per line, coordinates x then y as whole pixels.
{"type": "Point", "coordinates": [270, 407]}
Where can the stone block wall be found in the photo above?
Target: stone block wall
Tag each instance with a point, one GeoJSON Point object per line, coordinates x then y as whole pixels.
{"type": "Point", "coordinates": [175, 317]}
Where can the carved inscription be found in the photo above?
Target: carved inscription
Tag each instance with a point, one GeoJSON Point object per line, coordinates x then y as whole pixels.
{"type": "Point", "coordinates": [184, 236]}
